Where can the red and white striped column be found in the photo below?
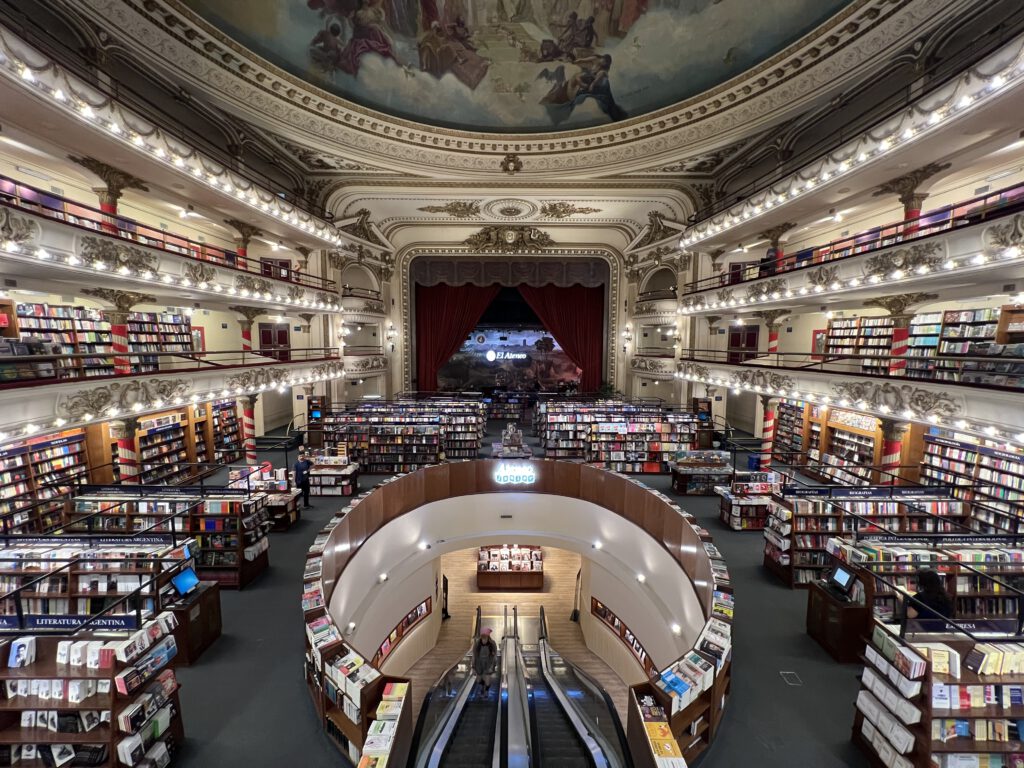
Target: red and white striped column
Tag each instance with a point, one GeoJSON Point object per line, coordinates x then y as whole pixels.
{"type": "Point", "coordinates": [893, 433]}
{"type": "Point", "coordinates": [246, 334]}
{"type": "Point", "coordinates": [127, 457]}
{"type": "Point", "coordinates": [119, 340]}
{"type": "Point", "coordinates": [108, 207]}
{"type": "Point", "coordinates": [246, 232]}
{"type": "Point", "coordinates": [249, 427]}
{"type": "Point", "coordinates": [767, 430]}
{"type": "Point", "coordinates": [912, 205]}
{"type": "Point", "coordinates": [899, 345]}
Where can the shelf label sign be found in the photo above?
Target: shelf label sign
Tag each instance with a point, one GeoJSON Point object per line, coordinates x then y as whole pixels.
{"type": "Point", "coordinates": [515, 474]}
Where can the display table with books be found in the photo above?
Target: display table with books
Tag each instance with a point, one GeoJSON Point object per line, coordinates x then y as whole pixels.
{"type": "Point", "coordinates": [696, 473]}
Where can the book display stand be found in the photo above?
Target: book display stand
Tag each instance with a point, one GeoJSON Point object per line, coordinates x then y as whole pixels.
{"type": "Point", "coordinates": [745, 505]}
{"type": "Point", "coordinates": [282, 498]}
{"type": "Point", "coordinates": [696, 473]}
{"type": "Point", "coordinates": [333, 476]}
{"type": "Point", "coordinates": [510, 567]}
{"type": "Point", "coordinates": [231, 537]}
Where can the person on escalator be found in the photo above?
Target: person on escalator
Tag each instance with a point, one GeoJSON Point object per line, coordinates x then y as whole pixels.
{"type": "Point", "coordinates": [485, 659]}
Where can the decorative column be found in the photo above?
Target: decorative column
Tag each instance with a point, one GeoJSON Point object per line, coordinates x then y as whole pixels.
{"type": "Point", "coordinates": [774, 238]}
{"type": "Point", "coordinates": [899, 343]}
{"type": "Point", "coordinates": [249, 427]}
{"type": "Point", "coordinates": [115, 182]}
{"type": "Point", "coordinates": [893, 433]}
{"type": "Point", "coordinates": [127, 458]}
{"type": "Point", "coordinates": [907, 188]}
{"type": "Point", "coordinates": [771, 318]}
{"type": "Point", "coordinates": [118, 319]}
{"type": "Point", "coordinates": [767, 429]}
{"type": "Point", "coordinates": [248, 315]}
{"type": "Point", "coordinates": [307, 328]}
{"type": "Point", "coordinates": [246, 232]}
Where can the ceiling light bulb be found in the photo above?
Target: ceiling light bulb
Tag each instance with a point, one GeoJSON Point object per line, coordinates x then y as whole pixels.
{"type": "Point", "coordinates": [676, 629]}
{"type": "Point", "coordinates": [382, 578]}
{"type": "Point", "coordinates": [641, 578]}
{"type": "Point", "coordinates": [598, 545]}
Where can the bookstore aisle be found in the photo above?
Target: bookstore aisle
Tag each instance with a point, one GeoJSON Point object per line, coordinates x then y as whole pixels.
{"type": "Point", "coordinates": [560, 568]}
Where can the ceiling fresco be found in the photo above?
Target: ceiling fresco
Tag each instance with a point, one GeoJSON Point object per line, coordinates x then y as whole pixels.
{"type": "Point", "coordinates": [516, 65]}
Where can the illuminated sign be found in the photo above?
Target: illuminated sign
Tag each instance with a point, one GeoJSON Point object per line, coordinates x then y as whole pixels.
{"type": "Point", "coordinates": [491, 355]}
{"type": "Point", "coordinates": [515, 474]}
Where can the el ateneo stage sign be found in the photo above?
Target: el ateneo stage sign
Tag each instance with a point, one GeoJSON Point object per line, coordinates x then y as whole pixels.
{"type": "Point", "coordinates": [515, 474]}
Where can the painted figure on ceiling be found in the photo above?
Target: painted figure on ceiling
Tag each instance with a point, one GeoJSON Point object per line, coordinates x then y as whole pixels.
{"type": "Point", "coordinates": [369, 35]}
{"type": "Point", "coordinates": [442, 52]}
{"type": "Point", "coordinates": [590, 82]}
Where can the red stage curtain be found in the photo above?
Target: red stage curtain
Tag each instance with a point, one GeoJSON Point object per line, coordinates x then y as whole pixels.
{"type": "Point", "coordinates": [444, 315]}
{"type": "Point", "coordinates": [575, 317]}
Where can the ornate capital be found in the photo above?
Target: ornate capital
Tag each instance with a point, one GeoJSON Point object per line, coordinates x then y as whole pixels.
{"type": "Point", "coordinates": [115, 179]}
{"type": "Point", "coordinates": [249, 313]}
{"type": "Point", "coordinates": [712, 321]}
{"type": "Point", "coordinates": [905, 186]}
{"type": "Point", "coordinates": [509, 238]}
{"type": "Point", "coordinates": [894, 431]}
{"type": "Point", "coordinates": [716, 259]}
{"type": "Point", "coordinates": [121, 396]}
{"type": "Point", "coordinates": [899, 398]}
{"type": "Point", "coordinates": [774, 234]}
{"type": "Point", "coordinates": [122, 300]}
{"type": "Point", "coordinates": [771, 317]}
{"type": "Point", "coordinates": [897, 304]}
{"type": "Point", "coordinates": [246, 232]}
{"type": "Point", "coordinates": [304, 252]}
{"type": "Point", "coordinates": [307, 318]}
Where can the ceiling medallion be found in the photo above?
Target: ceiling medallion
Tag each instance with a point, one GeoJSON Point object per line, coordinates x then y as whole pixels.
{"type": "Point", "coordinates": [510, 208]}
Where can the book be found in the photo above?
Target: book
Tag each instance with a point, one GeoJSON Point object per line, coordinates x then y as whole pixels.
{"type": "Point", "coordinates": [22, 652]}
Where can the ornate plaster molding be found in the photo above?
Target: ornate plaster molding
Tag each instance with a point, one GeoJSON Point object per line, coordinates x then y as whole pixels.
{"type": "Point", "coordinates": [562, 210]}
{"type": "Point", "coordinates": [330, 370]}
{"type": "Point", "coordinates": [900, 397]}
{"type": "Point", "coordinates": [693, 371]}
{"type": "Point", "coordinates": [256, 285]}
{"type": "Point", "coordinates": [858, 38]}
{"type": "Point", "coordinates": [510, 238]}
{"type": "Point", "coordinates": [256, 377]}
{"type": "Point", "coordinates": [122, 300]}
{"type": "Point", "coordinates": [897, 304]}
{"type": "Point", "coordinates": [921, 258]}
{"type": "Point", "coordinates": [457, 209]}
{"type": "Point", "coordinates": [199, 273]}
{"type": "Point", "coordinates": [1006, 235]}
{"type": "Point", "coordinates": [650, 364]}
{"type": "Point", "coordinates": [16, 230]}
{"type": "Point", "coordinates": [758, 380]}
{"type": "Point", "coordinates": [86, 404]}
{"type": "Point", "coordinates": [366, 364]}
{"type": "Point", "coordinates": [117, 255]}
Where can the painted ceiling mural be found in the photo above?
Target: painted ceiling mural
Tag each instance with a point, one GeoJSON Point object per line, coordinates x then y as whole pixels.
{"type": "Point", "coordinates": [516, 65]}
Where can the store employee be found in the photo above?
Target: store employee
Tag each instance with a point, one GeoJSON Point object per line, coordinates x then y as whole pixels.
{"type": "Point", "coordinates": [302, 467]}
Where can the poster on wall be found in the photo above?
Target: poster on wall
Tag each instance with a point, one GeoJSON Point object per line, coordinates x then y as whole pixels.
{"type": "Point", "coordinates": [524, 360]}
{"type": "Point", "coordinates": [819, 339]}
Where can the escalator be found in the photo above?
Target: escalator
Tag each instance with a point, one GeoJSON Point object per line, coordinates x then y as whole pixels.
{"type": "Point", "coordinates": [573, 721]}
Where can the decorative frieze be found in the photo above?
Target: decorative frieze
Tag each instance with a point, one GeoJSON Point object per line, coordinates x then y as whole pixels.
{"type": "Point", "coordinates": [921, 259]}
{"type": "Point", "coordinates": [509, 238]}
{"type": "Point", "coordinates": [758, 380]}
{"type": "Point", "coordinates": [899, 398]}
{"type": "Point", "coordinates": [257, 377]}
{"type": "Point", "coordinates": [564, 210]}
{"type": "Point", "coordinates": [117, 256]}
{"type": "Point", "coordinates": [457, 209]}
{"type": "Point", "coordinates": [199, 273]}
{"type": "Point", "coordinates": [255, 285]}
{"type": "Point", "coordinates": [94, 402]}
{"type": "Point", "coordinates": [16, 230]}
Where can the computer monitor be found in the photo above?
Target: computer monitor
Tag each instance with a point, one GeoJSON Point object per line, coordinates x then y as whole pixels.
{"type": "Point", "coordinates": [185, 581]}
{"type": "Point", "coordinates": [315, 414]}
{"type": "Point", "coordinates": [841, 578]}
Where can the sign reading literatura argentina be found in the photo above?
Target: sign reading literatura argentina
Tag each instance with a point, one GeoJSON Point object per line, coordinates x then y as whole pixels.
{"type": "Point", "coordinates": [515, 474]}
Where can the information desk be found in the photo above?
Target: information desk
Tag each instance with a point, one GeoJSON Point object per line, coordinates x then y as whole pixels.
{"type": "Point", "coordinates": [838, 625]}
{"type": "Point", "coordinates": [348, 715]}
{"type": "Point", "coordinates": [198, 622]}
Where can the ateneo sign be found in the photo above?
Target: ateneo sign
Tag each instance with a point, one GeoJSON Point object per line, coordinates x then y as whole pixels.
{"type": "Point", "coordinates": [515, 474]}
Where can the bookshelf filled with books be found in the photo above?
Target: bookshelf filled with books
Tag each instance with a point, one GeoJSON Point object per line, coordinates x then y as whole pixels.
{"type": "Point", "coordinates": [510, 567]}
{"type": "Point", "coordinates": [923, 343]}
{"type": "Point", "coordinates": [77, 330]}
{"type": "Point", "coordinates": [620, 630]}
{"type": "Point", "coordinates": [35, 476]}
{"type": "Point", "coordinates": [98, 699]}
{"type": "Point", "coordinates": [788, 446]}
{"type": "Point", "coordinates": [939, 700]}
{"type": "Point", "coordinates": [746, 504]}
{"type": "Point", "coordinates": [127, 509]}
{"type": "Point", "coordinates": [226, 431]}
{"type": "Point", "coordinates": [638, 446]}
{"type": "Point", "coordinates": [865, 337]}
{"type": "Point", "coordinates": [506, 406]}
{"type": "Point", "coordinates": [150, 332]}
{"type": "Point", "coordinates": [802, 521]}
{"type": "Point", "coordinates": [230, 530]}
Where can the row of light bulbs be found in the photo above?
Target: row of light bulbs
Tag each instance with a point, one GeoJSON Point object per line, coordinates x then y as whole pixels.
{"type": "Point", "coordinates": [1007, 255]}
{"type": "Point", "coordinates": [189, 161]}
{"type": "Point", "coordinates": [155, 405]}
{"type": "Point", "coordinates": [98, 265]}
{"type": "Point", "coordinates": [833, 168]}
{"type": "Point", "coordinates": [987, 430]}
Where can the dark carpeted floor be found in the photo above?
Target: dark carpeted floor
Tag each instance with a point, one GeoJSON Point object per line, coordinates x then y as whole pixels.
{"type": "Point", "coordinates": [245, 702]}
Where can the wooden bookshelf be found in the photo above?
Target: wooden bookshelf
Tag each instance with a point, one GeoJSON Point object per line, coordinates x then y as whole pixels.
{"type": "Point", "coordinates": [156, 332]}
{"type": "Point", "coordinates": [230, 529]}
{"type": "Point", "coordinates": [506, 406]}
{"type": "Point", "coordinates": [412, 619]}
{"type": "Point", "coordinates": [77, 330]}
{"type": "Point", "coordinates": [925, 332]}
{"type": "Point", "coordinates": [640, 444]}
{"type": "Point", "coordinates": [788, 446]}
{"type": "Point", "coordinates": [1010, 329]}
{"type": "Point", "coordinates": [35, 476]}
{"type": "Point", "coordinates": [225, 432]}
{"type": "Point", "coordinates": [510, 568]}
{"type": "Point", "coordinates": [862, 336]}
{"type": "Point", "coordinates": [747, 502]}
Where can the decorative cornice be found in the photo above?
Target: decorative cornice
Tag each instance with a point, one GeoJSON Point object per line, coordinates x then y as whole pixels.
{"type": "Point", "coordinates": [122, 300]}
{"type": "Point", "coordinates": [87, 404]}
{"type": "Point", "coordinates": [897, 398]}
{"type": "Point", "coordinates": [897, 304]}
{"type": "Point", "coordinates": [16, 230]}
{"type": "Point", "coordinates": [510, 238]}
{"type": "Point", "coordinates": [758, 380]}
{"type": "Point", "coordinates": [117, 256]}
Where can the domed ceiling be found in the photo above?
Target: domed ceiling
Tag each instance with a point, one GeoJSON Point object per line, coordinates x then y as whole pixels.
{"type": "Point", "coordinates": [516, 65]}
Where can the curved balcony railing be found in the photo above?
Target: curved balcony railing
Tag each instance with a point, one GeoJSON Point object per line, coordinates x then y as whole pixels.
{"type": "Point", "coordinates": [994, 205]}
{"type": "Point", "coordinates": [359, 293]}
{"type": "Point", "coordinates": [996, 372]}
{"type": "Point", "coordinates": [353, 350]}
{"type": "Point", "coordinates": [657, 294]}
{"type": "Point", "coordinates": [14, 194]}
{"type": "Point", "coordinates": [18, 371]}
{"type": "Point", "coordinates": [890, 100]}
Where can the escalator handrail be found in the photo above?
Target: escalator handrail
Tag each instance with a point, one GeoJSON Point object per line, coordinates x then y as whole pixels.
{"type": "Point", "coordinates": [597, 689]}
{"type": "Point", "coordinates": [440, 743]}
{"type": "Point", "coordinates": [596, 753]}
{"type": "Point", "coordinates": [542, 630]}
{"type": "Point", "coordinates": [520, 752]}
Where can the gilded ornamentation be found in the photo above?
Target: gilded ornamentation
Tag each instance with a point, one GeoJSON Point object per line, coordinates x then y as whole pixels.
{"type": "Point", "coordinates": [693, 371]}
{"type": "Point", "coordinates": [246, 232]}
{"type": "Point", "coordinates": [725, 295]}
{"type": "Point", "coordinates": [123, 300]}
{"type": "Point", "coordinates": [116, 180]}
{"type": "Point", "coordinates": [199, 273]}
{"type": "Point", "coordinates": [774, 234]}
{"type": "Point", "coordinates": [367, 363]}
{"type": "Point", "coordinates": [925, 256]}
{"type": "Point", "coordinates": [256, 285]}
{"type": "Point", "coordinates": [116, 255]}
{"type": "Point", "coordinates": [511, 164]}
{"type": "Point", "coordinates": [770, 288]}
{"type": "Point", "coordinates": [16, 229]}
{"type": "Point", "coordinates": [656, 230]}
{"type": "Point", "coordinates": [649, 364]}
{"type": "Point", "coordinates": [328, 370]}
{"type": "Point", "coordinates": [772, 317]}
{"type": "Point", "coordinates": [564, 210]}
{"type": "Point", "coordinates": [897, 304]}
{"type": "Point", "coordinates": [712, 321]}
{"type": "Point", "coordinates": [249, 313]}
{"type": "Point", "coordinates": [266, 376]}
{"type": "Point", "coordinates": [716, 259]}
{"type": "Point", "coordinates": [363, 228]}
{"type": "Point", "coordinates": [906, 186]}
{"type": "Point", "coordinates": [372, 306]}
{"type": "Point", "coordinates": [307, 319]}
{"type": "Point", "coordinates": [386, 268]}
{"type": "Point", "coordinates": [758, 380]}
{"type": "Point", "coordinates": [121, 396]}
{"type": "Point", "coordinates": [457, 209]}
{"type": "Point", "coordinates": [899, 397]}
{"type": "Point", "coordinates": [296, 292]}
{"type": "Point", "coordinates": [510, 238]}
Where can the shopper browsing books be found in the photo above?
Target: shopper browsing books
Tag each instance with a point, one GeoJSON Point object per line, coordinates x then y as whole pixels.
{"type": "Point", "coordinates": [485, 659]}
{"type": "Point", "coordinates": [937, 603]}
{"type": "Point", "coordinates": [301, 468]}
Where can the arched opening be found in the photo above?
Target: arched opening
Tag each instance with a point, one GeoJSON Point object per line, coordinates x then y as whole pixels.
{"type": "Point", "coordinates": [660, 284]}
